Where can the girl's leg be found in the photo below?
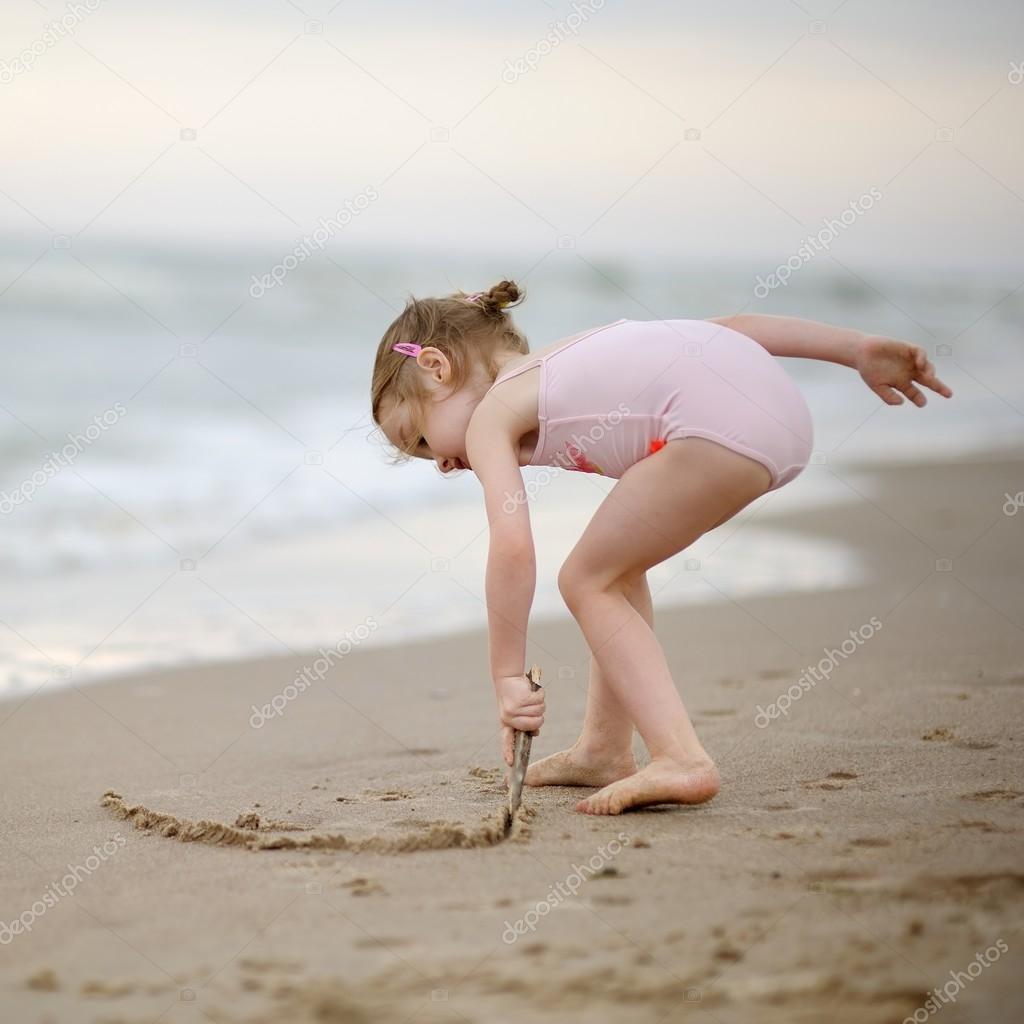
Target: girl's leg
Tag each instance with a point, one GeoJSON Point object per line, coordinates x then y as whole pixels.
{"type": "Point", "coordinates": [606, 727]}
{"type": "Point", "coordinates": [604, 751]}
{"type": "Point", "coordinates": [659, 507]}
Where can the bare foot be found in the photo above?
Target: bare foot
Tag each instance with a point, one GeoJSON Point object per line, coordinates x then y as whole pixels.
{"type": "Point", "coordinates": [573, 768]}
{"type": "Point", "coordinates": [661, 782]}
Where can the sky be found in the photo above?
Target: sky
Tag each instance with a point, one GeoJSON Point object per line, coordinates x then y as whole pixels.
{"type": "Point", "coordinates": [700, 132]}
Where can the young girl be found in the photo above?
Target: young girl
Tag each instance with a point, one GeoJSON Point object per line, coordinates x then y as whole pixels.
{"type": "Point", "coordinates": [694, 418]}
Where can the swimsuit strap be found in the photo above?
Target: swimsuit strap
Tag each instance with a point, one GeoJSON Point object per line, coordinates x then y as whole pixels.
{"type": "Point", "coordinates": [529, 364]}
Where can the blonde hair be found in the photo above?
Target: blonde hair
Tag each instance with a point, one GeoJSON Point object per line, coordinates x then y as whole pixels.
{"type": "Point", "coordinates": [468, 331]}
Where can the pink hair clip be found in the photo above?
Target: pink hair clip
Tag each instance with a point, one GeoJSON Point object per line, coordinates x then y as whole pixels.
{"type": "Point", "coordinates": [407, 348]}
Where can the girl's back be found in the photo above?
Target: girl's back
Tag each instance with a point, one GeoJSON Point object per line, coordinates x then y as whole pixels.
{"type": "Point", "coordinates": [607, 394]}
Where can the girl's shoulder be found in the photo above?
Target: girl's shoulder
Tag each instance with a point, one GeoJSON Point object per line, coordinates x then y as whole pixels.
{"type": "Point", "coordinates": [542, 353]}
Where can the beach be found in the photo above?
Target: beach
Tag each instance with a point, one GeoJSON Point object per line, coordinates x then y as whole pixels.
{"type": "Point", "coordinates": [861, 864]}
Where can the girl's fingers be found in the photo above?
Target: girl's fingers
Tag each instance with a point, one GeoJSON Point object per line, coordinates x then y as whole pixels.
{"type": "Point", "coordinates": [915, 395]}
{"type": "Point", "coordinates": [929, 380]}
{"type": "Point", "coordinates": [528, 723]}
{"type": "Point", "coordinates": [888, 395]}
{"type": "Point", "coordinates": [527, 716]}
{"type": "Point", "coordinates": [925, 374]}
{"type": "Point", "coordinates": [532, 708]}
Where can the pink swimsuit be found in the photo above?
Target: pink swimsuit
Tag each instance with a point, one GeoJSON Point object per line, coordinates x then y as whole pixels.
{"type": "Point", "coordinates": [617, 393]}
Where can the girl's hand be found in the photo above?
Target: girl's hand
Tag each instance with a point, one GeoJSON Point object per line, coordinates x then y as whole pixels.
{"type": "Point", "coordinates": [889, 365]}
{"type": "Point", "coordinates": [519, 707]}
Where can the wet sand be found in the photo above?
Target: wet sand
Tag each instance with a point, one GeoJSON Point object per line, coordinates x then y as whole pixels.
{"type": "Point", "coordinates": [343, 862]}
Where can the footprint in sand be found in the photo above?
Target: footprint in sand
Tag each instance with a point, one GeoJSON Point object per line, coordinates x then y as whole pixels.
{"type": "Point", "coordinates": [982, 826]}
{"type": "Point", "coordinates": [610, 900]}
{"type": "Point", "coordinates": [363, 886]}
{"type": "Point", "coordinates": [729, 954]}
{"type": "Point", "coordinates": [44, 980]}
{"type": "Point", "coordinates": [832, 781]}
{"type": "Point", "coordinates": [107, 989]}
{"type": "Point", "coordinates": [841, 879]}
{"type": "Point", "coordinates": [991, 888]}
{"type": "Point", "coordinates": [387, 794]}
{"type": "Point", "coordinates": [385, 942]}
{"type": "Point", "coordinates": [939, 734]}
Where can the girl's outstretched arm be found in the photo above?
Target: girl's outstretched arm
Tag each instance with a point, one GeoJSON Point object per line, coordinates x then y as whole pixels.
{"type": "Point", "coordinates": [887, 365]}
{"type": "Point", "coordinates": [492, 450]}
{"type": "Point", "coordinates": [790, 336]}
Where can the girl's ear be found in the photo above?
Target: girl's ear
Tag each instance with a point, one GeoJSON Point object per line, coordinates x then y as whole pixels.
{"type": "Point", "coordinates": [436, 362]}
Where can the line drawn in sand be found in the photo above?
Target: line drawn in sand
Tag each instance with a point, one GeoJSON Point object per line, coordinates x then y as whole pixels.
{"type": "Point", "coordinates": [249, 833]}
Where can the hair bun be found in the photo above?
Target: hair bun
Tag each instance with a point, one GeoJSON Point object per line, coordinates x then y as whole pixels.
{"type": "Point", "coordinates": [501, 295]}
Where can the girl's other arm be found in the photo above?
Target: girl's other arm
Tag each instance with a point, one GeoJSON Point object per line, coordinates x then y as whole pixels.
{"type": "Point", "coordinates": [790, 336]}
{"type": "Point", "coordinates": [887, 365]}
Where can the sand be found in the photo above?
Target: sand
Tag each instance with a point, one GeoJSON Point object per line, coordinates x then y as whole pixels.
{"type": "Point", "coordinates": [347, 862]}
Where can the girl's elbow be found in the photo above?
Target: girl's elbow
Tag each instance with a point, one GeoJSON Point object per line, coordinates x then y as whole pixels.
{"type": "Point", "coordinates": [513, 556]}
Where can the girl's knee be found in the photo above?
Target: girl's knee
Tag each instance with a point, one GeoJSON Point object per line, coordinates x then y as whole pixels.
{"type": "Point", "coordinates": [569, 583]}
{"type": "Point", "coordinates": [576, 584]}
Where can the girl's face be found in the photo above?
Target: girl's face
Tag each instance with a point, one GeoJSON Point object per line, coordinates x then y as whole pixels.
{"type": "Point", "coordinates": [442, 437]}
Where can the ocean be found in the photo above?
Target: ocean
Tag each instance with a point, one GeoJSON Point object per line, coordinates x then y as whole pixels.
{"type": "Point", "coordinates": [220, 491]}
